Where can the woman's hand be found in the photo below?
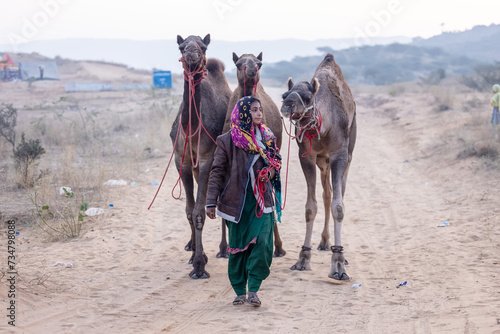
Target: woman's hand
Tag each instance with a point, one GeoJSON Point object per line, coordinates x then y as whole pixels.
{"type": "Point", "coordinates": [211, 212]}
{"type": "Point", "coordinates": [270, 175]}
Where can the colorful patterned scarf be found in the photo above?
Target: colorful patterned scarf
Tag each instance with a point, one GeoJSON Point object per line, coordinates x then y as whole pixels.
{"type": "Point", "coordinates": [243, 135]}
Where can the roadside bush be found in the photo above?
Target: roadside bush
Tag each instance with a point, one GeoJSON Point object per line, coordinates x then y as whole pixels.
{"type": "Point", "coordinates": [8, 121]}
{"type": "Point", "coordinates": [484, 76]}
{"type": "Point", "coordinates": [63, 220]}
{"type": "Point", "coordinates": [25, 159]}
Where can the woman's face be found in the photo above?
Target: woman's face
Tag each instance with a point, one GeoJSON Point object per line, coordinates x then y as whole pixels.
{"type": "Point", "coordinates": [256, 112]}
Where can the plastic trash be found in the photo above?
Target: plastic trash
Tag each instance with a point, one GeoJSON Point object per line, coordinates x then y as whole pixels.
{"type": "Point", "coordinates": [67, 265]}
{"type": "Point", "coordinates": [62, 192]}
{"type": "Point", "coordinates": [444, 224]}
{"type": "Point", "coordinates": [133, 183]}
{"type": "Point", "coordinates": [355, 285]}
{"type": "Point", "coordinates": [94, 211]}
{"type": "Point", "coordinates": [401, 284]}
{"type": "Point", "coordinates": [115, 183]}
{"type": "Point", "coordinates": [111, 205]}
{"type": "Point", "coordinates": [154, 183]}
{"type": "Point", "coordinates": [17, 233]}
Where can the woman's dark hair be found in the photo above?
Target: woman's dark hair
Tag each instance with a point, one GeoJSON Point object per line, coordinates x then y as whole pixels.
{"type": "Point", "coordinates": [253, 99]}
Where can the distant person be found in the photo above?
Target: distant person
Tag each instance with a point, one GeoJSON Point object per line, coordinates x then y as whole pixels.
{"type": "Point", "coordinates": [41, 68]}
{"type": "Point", "coordinates": [495, 102]}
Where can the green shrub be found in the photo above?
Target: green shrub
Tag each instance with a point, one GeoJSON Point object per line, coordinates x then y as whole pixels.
{"type": "Point", "coordinates": [25, 157]}
{"type": "Point", "coordinates": [8, 120]}
{"type": "Point", "coordinates": [66, 221]}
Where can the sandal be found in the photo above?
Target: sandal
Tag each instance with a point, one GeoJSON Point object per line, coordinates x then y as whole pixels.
{"type": "Point", "coordinates": [253, 299]}
{"type": "Point", "coordinates": [239, 300]}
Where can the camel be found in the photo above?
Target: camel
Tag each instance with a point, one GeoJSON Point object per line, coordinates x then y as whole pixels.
{"type": "Point", "coordinates": [248, 67]}
{"type": "Point", "coordinates": [324, 112]}
{"type": "Point", "coordinates": [205, 98]}
{"type": "Point", "coordinates": [248, 75]}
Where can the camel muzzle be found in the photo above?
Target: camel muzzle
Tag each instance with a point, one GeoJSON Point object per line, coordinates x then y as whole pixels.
{"type": "Point", "coordinates": [287, 110]}
{"type": "Point", "coordinates": [192, 58]}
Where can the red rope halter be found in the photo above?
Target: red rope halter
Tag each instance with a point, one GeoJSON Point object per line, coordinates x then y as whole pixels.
{"type": "Point", "coordinates": [189, 76]}
{"type": "Point", "coordinates": [311, 129]}
{"type": "Point", "coordinates": [254, 85]}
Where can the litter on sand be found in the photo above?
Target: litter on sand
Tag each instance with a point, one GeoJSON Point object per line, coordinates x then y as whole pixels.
{"type": "Point", "coordinates": [355, 285]}
{"type": "Point", "coordinates": [94, 211]}
{"type": "Point", "coordinates": [444, 224]}
{"type": "Point", "coordinates": [115, 183]}
{"type": "Point", "coordinates": [401, 284]}
{"type": "Point", "coordinates": [67, 265]}
{"type": "Point", "coordinates": [154, 183]}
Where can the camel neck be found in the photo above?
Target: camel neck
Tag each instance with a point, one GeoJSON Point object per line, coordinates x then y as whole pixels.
{"type": "Point", "coordinates": [190, 114]}
{"type": "Point", "coordinates": [247, 89]}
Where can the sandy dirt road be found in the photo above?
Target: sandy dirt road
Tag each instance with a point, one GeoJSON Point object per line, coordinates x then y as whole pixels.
{"type": "Point", "coordinates": [130, 272]}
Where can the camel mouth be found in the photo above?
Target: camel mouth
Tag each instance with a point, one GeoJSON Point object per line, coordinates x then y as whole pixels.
{"type": "Point", "coordinates": [295, 116]}
{"type": "Point", "coordinates": [286, 111]}
{"type": "Point", "coordinates": [249, 74]}
{"type": "Point", "coordinates": [191, 60]}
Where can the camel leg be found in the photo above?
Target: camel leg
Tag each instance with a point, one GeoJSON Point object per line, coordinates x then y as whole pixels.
{"type": "Point", "coordinates": [324, 166]}
{"type": "Point", "coordinates": [200, 259]}
{"type": "Point", "coordinates": [278, 244]}
{"type": "Point", "coordinates": [309, 170]}
{"type": "Point", "coordinates": [187, 181]}
{"type": "Point", "coordinates": [223, 242]}
{"type": "Point", "coordinates": [350, 149]}
{"type": "Point", "coordinates": [338, 166]}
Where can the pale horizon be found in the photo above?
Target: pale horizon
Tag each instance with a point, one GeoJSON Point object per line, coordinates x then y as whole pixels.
{"type": "Point", "coordinates": [238, 20]}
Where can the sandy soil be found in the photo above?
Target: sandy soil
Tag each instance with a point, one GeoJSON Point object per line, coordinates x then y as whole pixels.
{"type": "Point", "coordinates": [130, 271]}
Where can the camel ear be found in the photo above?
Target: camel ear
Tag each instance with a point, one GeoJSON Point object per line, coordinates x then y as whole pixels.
{"type": "Point", "coordinates": [259, 57]}
{"type": "Point", "coordinates": [235, 58]}
{"type": "Point", "coordinates": [180, 40]}
{"type": "Point", "coordinates": [206, 40]}
{"type": "Point", "coordinates": [290, 83]}
{"type": "Point", "coordinates": [315, 86]}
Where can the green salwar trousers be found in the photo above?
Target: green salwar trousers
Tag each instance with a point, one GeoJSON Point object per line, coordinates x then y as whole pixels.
{"type": "Point", "coordinates": [250, 247]}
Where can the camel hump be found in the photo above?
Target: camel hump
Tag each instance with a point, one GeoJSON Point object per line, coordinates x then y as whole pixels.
{"type": "Point", "coordinates": [215, 66]}
{"type": "Point", "coordinates": [329, 63]}
{"type": "Point", "coordinates": [329, 72]}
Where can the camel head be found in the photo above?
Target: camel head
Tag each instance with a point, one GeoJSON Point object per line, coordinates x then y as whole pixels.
{"type": "Point", "coordinates": [193, 49]}
{"type": "Point", "coordinates": [247, 68]}
{"type": "Point", "coordinates": [299, 99]}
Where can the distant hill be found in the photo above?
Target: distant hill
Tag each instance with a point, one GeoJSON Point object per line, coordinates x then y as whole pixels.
{"type": "Point", "coordinates": [450, 53]}
{"type": "Point", "coordinates": [384, 61]}
{"type": "Point", "coordinates": [379, 65]}
{"type": "Point", "coordinates": [480, 42]}
{"type": "Point", "coordinates": [164, 54]}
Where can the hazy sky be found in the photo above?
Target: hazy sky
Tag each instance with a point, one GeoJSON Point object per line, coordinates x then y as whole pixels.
{"type": "Point", "coordinates": [238, 20]}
